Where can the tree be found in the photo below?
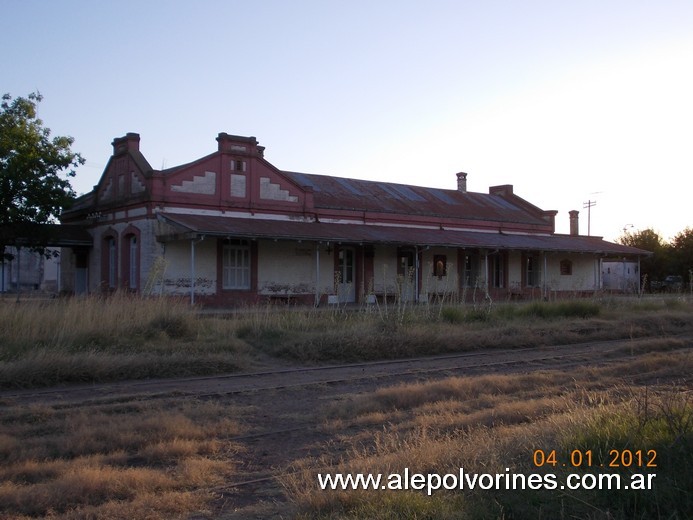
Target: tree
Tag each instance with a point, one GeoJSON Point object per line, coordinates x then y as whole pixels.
{"type": "Point", "coordinates": [647, 239]}
{"type": "Point", "coordinates": [682, 246]}
{"type": "Point", "coordinates": [655, 267]}
{"type": "Point", "coordinates": [34, 169]}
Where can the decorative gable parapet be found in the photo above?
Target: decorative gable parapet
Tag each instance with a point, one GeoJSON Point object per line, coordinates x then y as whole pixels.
{"type": "Point", "coordinates": [200, 184]}
{"type": "Point", "coordinates": [239, 145]}
{"type": "Point", "coordinates": [129, 142]}
{"type": "Point", "coordinates": [136, 184]}
{"type": "Point", "coordinates": [238, 185]}
{"type": "Point", "coordinates": [273, 191]}
{"type": "Point", "coordinates": [308, 199]}
{"type": "Point", "coordinates": [550, 217]}
{"type": "Point", "coordinates": [107, 189]}
{"type": "Point", "coordinates": [506, 191]}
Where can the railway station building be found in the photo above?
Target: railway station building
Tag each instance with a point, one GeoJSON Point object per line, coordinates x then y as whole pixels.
{"type": "Point", "coordinates": [231, 229]}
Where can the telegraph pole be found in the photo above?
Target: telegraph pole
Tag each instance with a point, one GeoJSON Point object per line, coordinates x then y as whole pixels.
{"type": "Point", "coordinates": [589, 205]}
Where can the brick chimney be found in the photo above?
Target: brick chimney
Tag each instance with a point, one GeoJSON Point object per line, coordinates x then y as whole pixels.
{"type": "Point", "coordinates": [462, 182]}
{"type": "Point", "coordinates": [574, 222]}
{"type": "Point", "coordinates": [130, 141]}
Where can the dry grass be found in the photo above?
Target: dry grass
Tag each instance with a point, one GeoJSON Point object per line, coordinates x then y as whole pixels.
{"type": "Point", "coordinates": [105, 339]}
{"type": "Point", "coordinates": [486, 424]}
{"type": "Point", "coordinates": [92, 322]}
{"type": "Point", "coordinates": [119, 461]}
{"type": "Point", "coordinates": [471, 394]}
{"type": "Point", "coordinates": [317, 336]}
{"type": "Point", "coordinates": [123, 337]}
{"type": "Point", "coordinates": [145, 460]}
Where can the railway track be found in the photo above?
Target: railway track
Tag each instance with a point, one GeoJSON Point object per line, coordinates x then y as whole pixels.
{"type": "Point", "coordinates": [261, 481]}
{"type": "Point", "coordinates": [280, 408]}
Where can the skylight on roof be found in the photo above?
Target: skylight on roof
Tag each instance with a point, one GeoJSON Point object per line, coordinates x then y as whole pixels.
{"type": "Point", "coordinates": [346, 183]}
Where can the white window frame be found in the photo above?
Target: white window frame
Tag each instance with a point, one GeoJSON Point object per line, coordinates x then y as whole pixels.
{"type": "Point", "coordinates": [237, 165]}
{"type": "Point", "coordinates": [236, 265]}
{"type": "Point", "coordinates": [533, 274]}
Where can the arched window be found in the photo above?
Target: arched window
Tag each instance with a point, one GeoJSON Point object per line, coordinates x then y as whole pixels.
{"type": "Point", "coordinates": [440, 266]}
{"type": "Point", "coordinates": [131, 258]}
{"type": "Point", "coordinates": [109, 262]}
{"type": "Point", "coordinates": [132, 271]}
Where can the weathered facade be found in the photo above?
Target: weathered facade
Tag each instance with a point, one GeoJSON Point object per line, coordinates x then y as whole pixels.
{"type": "Point", "coordinates": [621, 275]}
{"type": "Point", "coordinates": [27, 259]}
{"type": "Point", "coordinates": [232, 229]}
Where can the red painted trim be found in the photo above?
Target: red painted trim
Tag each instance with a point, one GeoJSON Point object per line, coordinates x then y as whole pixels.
{"type": "Point", "coordinates": [235, 296]}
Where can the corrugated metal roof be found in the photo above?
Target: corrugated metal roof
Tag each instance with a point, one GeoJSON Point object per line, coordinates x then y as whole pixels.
{"type": "Point", "coordinates": [303, 180]}
{"type": "Point", "coordinates": [373, 234]}
{"type": "Point", "coordinates": [362, 195]}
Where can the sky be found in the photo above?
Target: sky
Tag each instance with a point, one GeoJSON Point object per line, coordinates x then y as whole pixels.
{"type": "Point", "coordinates": [570, 102]}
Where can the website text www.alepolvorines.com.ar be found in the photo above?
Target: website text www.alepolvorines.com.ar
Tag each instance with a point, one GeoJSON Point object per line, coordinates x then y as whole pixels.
{"type": "Point", "coordinates": [462, 480]}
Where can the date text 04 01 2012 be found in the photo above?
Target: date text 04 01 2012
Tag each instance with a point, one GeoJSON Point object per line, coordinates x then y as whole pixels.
{"type": "Point", "coordinates": [584, 458]}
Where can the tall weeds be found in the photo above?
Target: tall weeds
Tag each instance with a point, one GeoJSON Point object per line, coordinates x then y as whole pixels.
{"type": "Point", "coordinates": [85, 323]}
{"type": "Point", "coordinates": [105, 339]}
{"type": "Point", "coordinates": [125, 337]}
{"type": "Point", "coordinates": [399, 330]}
